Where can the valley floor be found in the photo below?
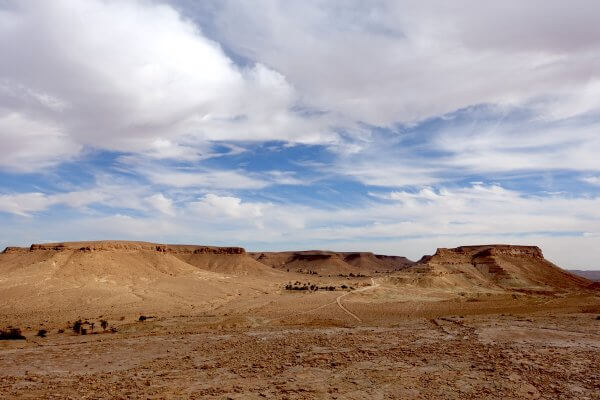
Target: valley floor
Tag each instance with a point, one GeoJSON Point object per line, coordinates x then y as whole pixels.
{"type": "Point", "coordinates": [501, 356]}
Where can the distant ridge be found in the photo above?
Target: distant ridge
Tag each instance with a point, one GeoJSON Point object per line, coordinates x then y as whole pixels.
{"type": "Point", "coordinates": [330, 262]}
{"type": "Point", "coordinates": [591, 275]}
{"type": "Point", "coordinates": [126, 245]}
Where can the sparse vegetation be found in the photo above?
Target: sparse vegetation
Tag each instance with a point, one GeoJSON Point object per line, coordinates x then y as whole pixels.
{"type": "Point", "coordinates": [306, 271]}
{"type": "Point", "coordinates": [77, 326]}
{"type": "Point", "coordinates": [352, 275]}
{"type": "Point", "coordinates": [308, 287]}
{"type": "Point", "coordinates": [42, 333]}
{"type": "Point", "coordinates": [60, 331]}
{"type": "Point", "coordinates": [11, 334]}
{"type": "Point", "coordinates": [83, 331]}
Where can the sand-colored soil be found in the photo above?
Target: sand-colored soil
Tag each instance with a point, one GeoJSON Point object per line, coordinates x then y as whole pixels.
{"type": "Point", "coordinates": [479, 322]}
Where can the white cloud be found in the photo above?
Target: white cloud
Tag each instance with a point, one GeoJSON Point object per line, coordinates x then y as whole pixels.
{"type": "Point", "coordinates": [227, 206]}
{"type": "Point", "coordinates": [592, 180]}
{"type": "Point", "coordinates": [29, 145]}
{"type": "Point", "coordinates": [387, 61]}
{"type": "Point", "coordinates": [390, 172]}
{"type": "Point", "coordinates": [161, 203]}
{"type": "Point", "coordinates": [24, 204]}
{"type": "Point", "coordinates": [131, 76]}
{"type": "Point", "coordinates": [119, 195]}
{"type": "Point", "coordinates": [485, 146]}
{"type": "Point", "coordinates": [286, 178]}
{"type": "Point", "coordinates": [214, 179]}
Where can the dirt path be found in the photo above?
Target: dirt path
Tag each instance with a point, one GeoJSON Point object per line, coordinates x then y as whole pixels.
{"type": "Point", "coordinates": [338, 299]}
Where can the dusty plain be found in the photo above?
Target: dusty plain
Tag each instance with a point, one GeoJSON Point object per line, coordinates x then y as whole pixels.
{"type": "Point", "coordinates": [220, 324]}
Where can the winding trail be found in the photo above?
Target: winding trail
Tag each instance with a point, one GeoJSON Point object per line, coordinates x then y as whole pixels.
{"type": "Point", "coordinates": [338, 299]}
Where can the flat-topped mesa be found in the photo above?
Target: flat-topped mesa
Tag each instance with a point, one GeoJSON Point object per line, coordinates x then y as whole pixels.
{"type": "Point", "coordinates": [14, 249]}
{"type": "Point", "coordinates": [499, 266]}
{"type": "Point", "coordinates": [464, 254]}
{"type": "Point", "coordinates": [126, 246]}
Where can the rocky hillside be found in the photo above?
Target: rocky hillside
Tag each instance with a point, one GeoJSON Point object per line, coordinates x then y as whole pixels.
{"type": "Point", "coordinates": [332, 263]}
{"type": "Point", "coordinates": [499, 266]}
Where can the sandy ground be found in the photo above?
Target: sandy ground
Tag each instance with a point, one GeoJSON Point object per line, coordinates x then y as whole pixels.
{"type": "Point", "coordinates": [305, 346]}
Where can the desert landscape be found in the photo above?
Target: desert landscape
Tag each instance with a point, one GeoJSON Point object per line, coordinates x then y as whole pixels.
{"type": "Point", "coordinates": [117, 319]}
{"type": "Point", "coordinates": [227, 199]}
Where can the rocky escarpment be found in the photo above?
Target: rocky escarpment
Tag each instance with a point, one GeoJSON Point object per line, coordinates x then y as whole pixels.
{"type": "Point", "coordinates": [120, 258]}
{"type": "Point", "coordinates": [15, 250]}
{"type": "Point", "coordinates": [505, 266]}
{"type": "Point", "coordinates": [330, 262]}
{"type": "Point", "coordinates": [466, 254]}
{"type": "Point", "coordinates": [126, 246]}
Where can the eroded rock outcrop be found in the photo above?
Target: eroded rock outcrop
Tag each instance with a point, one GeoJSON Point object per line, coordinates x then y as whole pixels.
{"type": "Point", "coordinates": [330, 262]}
{"type": "Point", "coordinates": [500, 265]}
{"type": "Point", "coordinates": [126, 246]}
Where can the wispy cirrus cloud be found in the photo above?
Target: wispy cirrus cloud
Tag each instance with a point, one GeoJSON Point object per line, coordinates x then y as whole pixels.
{"type": "Point", "coordinates": [592, 180]}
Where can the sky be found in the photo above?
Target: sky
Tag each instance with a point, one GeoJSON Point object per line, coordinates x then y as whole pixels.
{"type": "Point", "coordinates": [388, 126]}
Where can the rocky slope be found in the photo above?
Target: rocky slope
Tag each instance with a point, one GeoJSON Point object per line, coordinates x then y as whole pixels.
{"type": "Point", "coordinates": [117, 275]}
{"type": "Point", "coordinates": [496, 266]}
{"type": "Point", "coordinates": [123, 275]}
{"type": "Point", "coordinates": [332, 263]}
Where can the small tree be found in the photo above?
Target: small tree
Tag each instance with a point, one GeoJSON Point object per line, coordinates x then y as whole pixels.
{"type": "Point", "coordinates": [11, 334]}
{"type": "Point", "coordinates": [142, 318]}
{"type": "Point", "coordinates": [104, 324]}
{"type": "Point", "coordinates": [42, 333]}
{"type": "Point", "coordinates": [77, 326]}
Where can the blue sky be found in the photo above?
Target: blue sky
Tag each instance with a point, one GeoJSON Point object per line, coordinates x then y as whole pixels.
{"type": "Point", "coordinates": [387, 126]}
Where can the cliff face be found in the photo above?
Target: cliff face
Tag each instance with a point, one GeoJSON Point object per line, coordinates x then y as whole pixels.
{"type": "Point", "coordinates": [15, 250]}
{"type": "Point", "coordinates": [464, 254]}
{"type": "Point", "coordinates": [506, 266]}
{"type": "Point", "coordinates": [125, 246]}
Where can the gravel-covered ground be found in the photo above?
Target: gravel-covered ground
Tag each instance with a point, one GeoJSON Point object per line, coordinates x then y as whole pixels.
{"type": "Point", "coordinates": [540, 355]}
